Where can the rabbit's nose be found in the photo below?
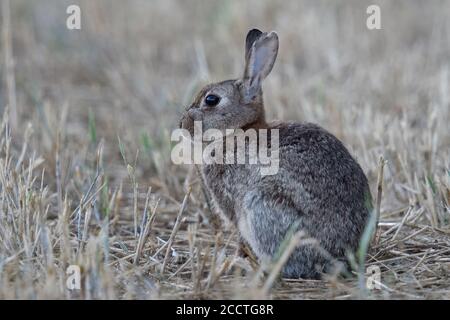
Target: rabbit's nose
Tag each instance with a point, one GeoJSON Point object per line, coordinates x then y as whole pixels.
{"type": "Point", "coordinates": [194, 114]}
{"type": "Point", "coordinates": [184, 119]}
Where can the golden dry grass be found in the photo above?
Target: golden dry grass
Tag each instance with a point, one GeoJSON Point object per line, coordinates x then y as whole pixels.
{"type": "Point", "coordinates": [85, 170]}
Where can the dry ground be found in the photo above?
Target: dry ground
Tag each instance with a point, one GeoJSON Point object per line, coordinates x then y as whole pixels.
{"type": "Point", "coordinates": [85, 170]}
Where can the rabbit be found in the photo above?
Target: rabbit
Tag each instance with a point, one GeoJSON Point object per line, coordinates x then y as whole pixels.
{"type": "Point", "coordinates": [319, 188]}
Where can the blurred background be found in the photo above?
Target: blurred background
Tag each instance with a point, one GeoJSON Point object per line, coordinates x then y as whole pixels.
{"type": "Point", "coordinates": [124, 78]}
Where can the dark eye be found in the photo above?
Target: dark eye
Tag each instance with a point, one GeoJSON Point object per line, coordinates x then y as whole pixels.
{"type": "Point", "coordinates": [212, 100]}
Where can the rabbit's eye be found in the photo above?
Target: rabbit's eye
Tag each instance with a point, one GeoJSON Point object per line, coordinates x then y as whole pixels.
{"type": "Point", "coordinates": [212, 100]}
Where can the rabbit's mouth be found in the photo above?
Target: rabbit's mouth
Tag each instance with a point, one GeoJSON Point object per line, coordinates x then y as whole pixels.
{"type": "Point", "coordinates": [187, 123]}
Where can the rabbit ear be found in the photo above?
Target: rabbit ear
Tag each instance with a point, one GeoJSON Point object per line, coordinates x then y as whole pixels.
{"type": "Point", "coordinates": [252, 35]}
{"type": "Point", "coordinates": [259, 61]}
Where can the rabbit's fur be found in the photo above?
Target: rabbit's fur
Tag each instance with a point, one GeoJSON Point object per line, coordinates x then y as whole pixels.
{"type": "Point", "coordinates": [319, 188]}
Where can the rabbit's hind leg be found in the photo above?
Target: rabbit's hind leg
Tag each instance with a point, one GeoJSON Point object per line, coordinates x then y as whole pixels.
{"type": "Point", "coordinates": [266, 226]}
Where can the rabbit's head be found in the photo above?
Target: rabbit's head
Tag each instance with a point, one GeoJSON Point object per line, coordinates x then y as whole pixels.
{"type": "Point", "coordinates": [234, 104]}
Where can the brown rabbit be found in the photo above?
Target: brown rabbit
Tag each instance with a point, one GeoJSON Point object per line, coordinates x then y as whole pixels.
{"type": "Point", "coordinates": [319, 188]}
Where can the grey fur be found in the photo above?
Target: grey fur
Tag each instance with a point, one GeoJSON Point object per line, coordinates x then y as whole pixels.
{"type": "Point", "coordinates": [319, 188]}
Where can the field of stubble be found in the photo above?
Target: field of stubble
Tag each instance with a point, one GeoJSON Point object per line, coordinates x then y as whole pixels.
{"type": "Point", "coordinates": [85, 172]}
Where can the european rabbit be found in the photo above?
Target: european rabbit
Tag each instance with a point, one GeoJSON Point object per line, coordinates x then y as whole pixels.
{"type": "Point", "coordinates": [319, 187]}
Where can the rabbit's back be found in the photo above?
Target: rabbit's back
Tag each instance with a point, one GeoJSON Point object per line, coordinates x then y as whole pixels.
{"type": "Point", "coordinates": [319, 188]}
{"type": "Point", "coordinates": [327, 185]}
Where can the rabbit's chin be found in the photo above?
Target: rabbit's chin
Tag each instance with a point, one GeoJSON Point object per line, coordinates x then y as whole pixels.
{"type": "Point", "coordinates": [187, 135]}
{"type": "Point", "coordinates": [203, 136]}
